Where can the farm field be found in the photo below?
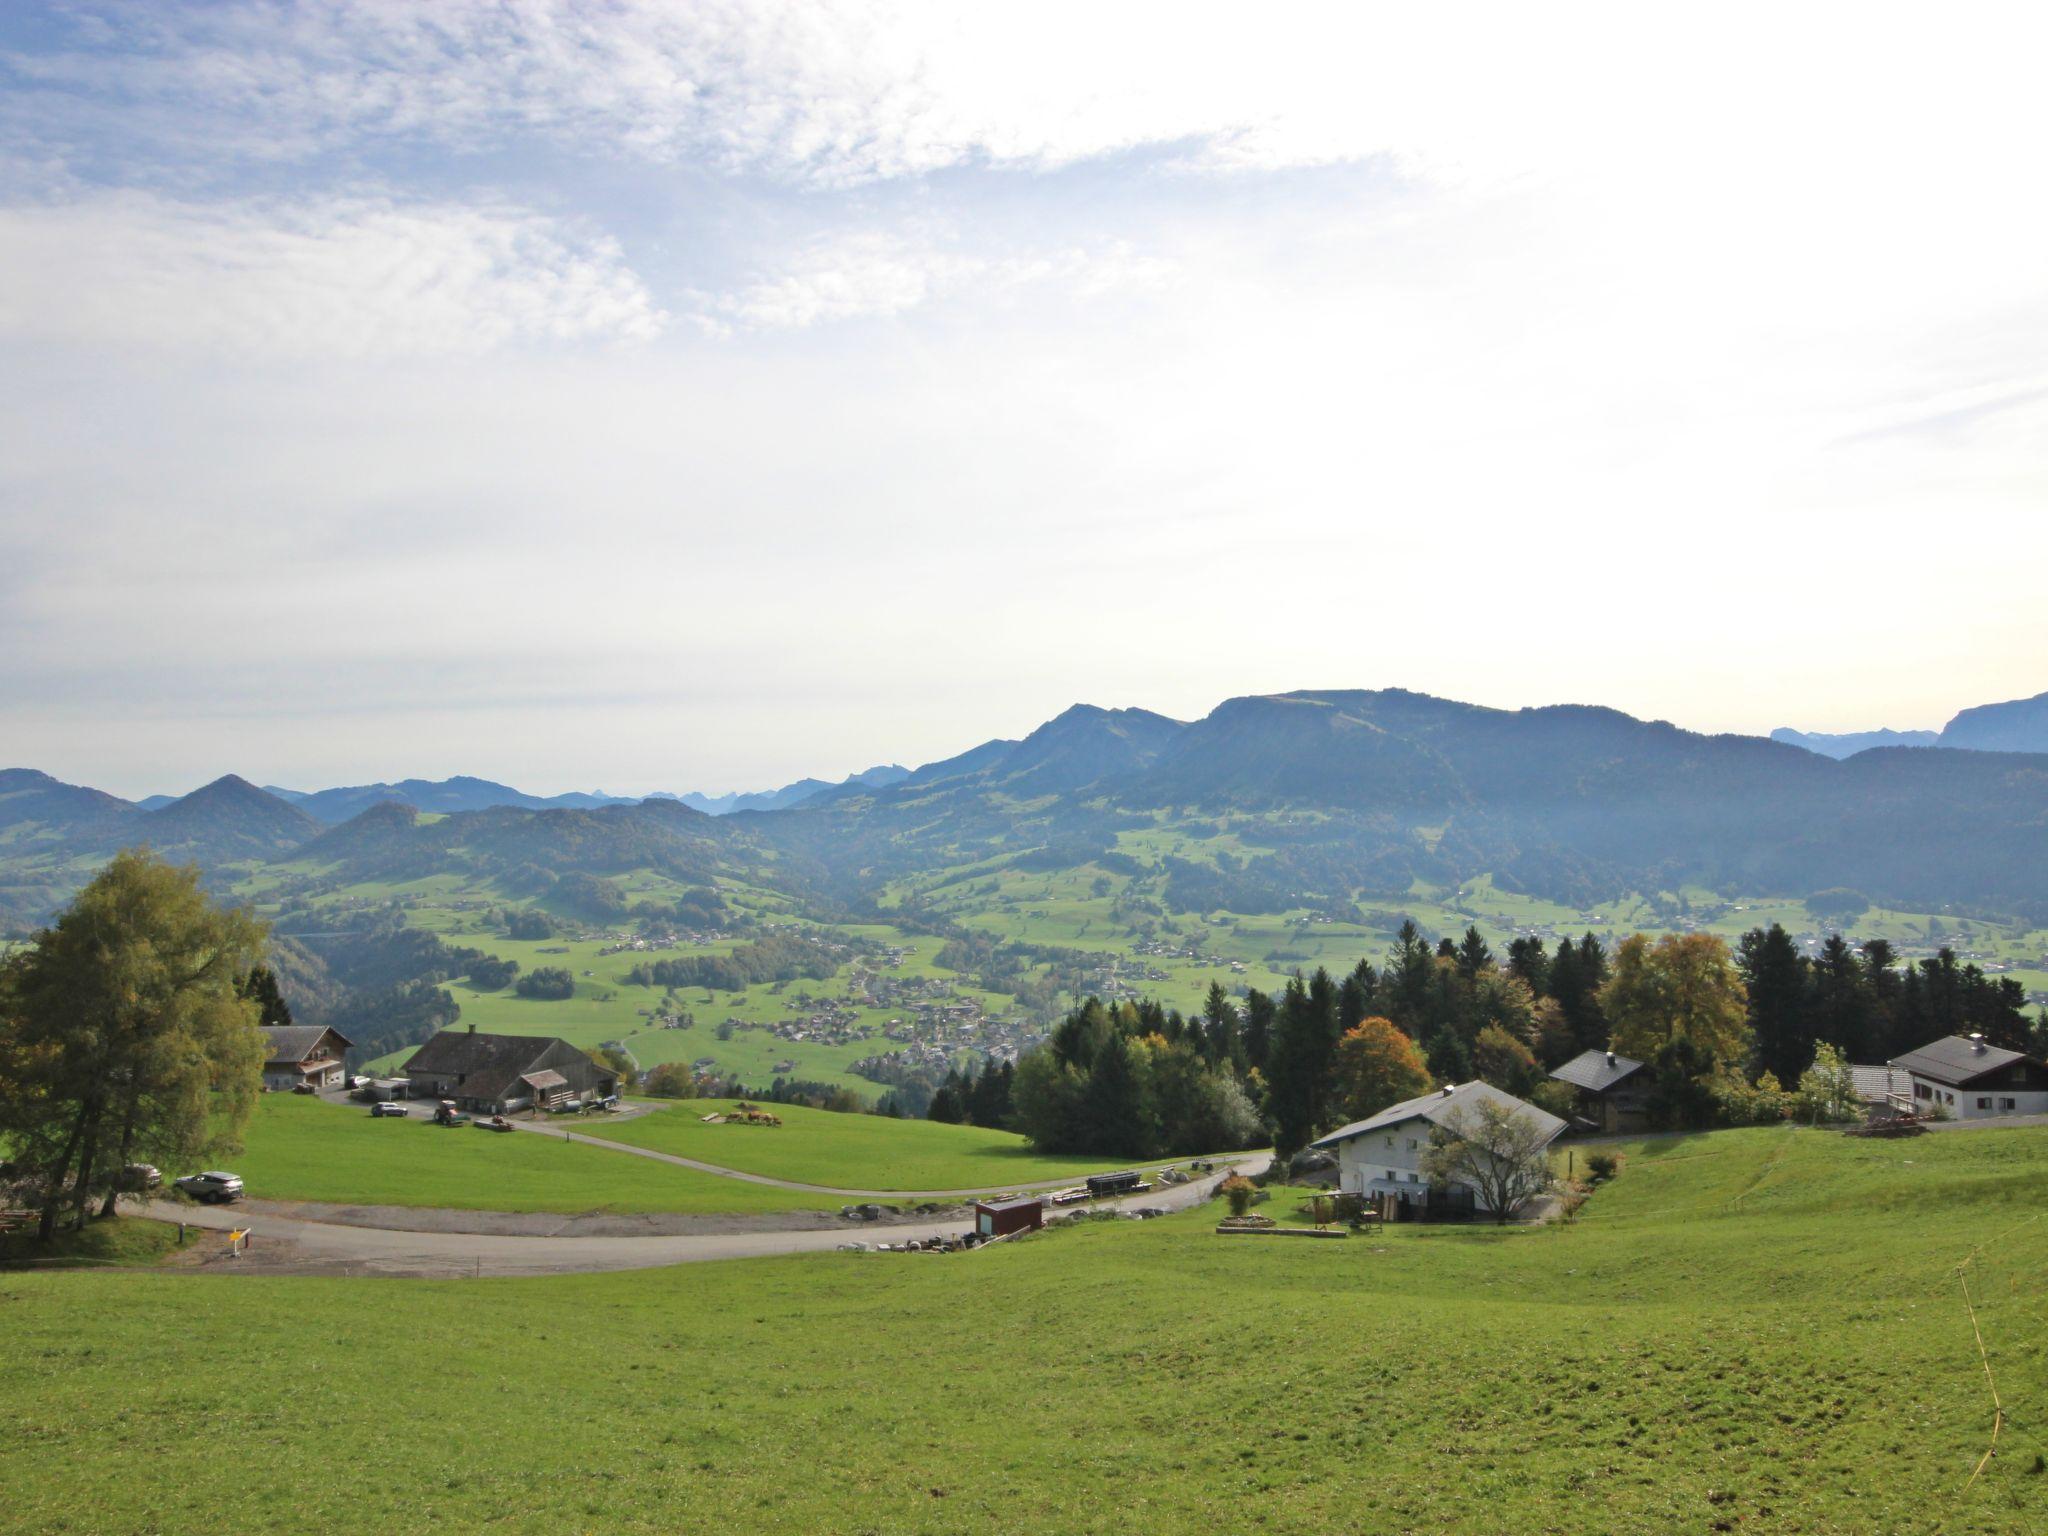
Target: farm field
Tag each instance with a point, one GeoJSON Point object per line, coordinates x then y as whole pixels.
{"type": "Point", "coordinates": [302, 1149]}
{"type": "Point", "coordinates": [813, 1146]}
{"type": "Point", "coordinates": [1756, 1331]}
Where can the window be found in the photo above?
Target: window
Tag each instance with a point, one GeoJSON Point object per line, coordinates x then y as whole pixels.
{"type": "Point", "coordinates": [2008, 1103]}
{"type": "Point", "coordinates": [1983, 1103]}
{"type": "Point", "coordinates": [1390, 1141]}
{"type": "Point", "coordinates": [1922, 1091]}
{"type": "Point", "coordinates": [1412, 1143]}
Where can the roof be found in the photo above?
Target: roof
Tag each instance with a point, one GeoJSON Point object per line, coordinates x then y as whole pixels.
{"type": "Point", "coordinates": [295, 1042]}
{"type": "Point", "coordinates": [547, 1079]}
{"type": "Point", "coordinates": [1875, 1084]}
{"type": "Point", "coordinates": [1440, 1107]}
{"type": "Point", "coordinates": [489, 1065]}
{"type": "Point", "coordinates": [1596, 1071]}
{"type": "Point", "coordinates": [1955, 1060]}
{"type": "Point", "coordinates": [1021, 1202]}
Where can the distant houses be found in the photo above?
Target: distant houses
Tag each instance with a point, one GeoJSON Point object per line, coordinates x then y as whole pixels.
{"type": "Point", "coordinates": [295, 1054]}
{"type": "Point", "coordinates": [1382, 1154]}
{"type": "Point", "coordinates": [1613, 1091]}
{"type": "Point", "coordinates": [500, 1074]}
{"type": "Point", "coordinates": [1971, 1079]}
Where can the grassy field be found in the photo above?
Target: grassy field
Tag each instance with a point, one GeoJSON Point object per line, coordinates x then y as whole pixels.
{"type": "Point", "coordinates": [850, 1151]}
{"type": "Point", "coordinates": [1755, 1331]}
{"type": "Point", "coordinates": [302, 1149]}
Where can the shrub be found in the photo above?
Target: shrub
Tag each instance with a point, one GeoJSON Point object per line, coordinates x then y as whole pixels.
{"type": "Point", "coordinates": [1603, 1165]}
{"type": "Point", "coordinates": [1237, 1190]}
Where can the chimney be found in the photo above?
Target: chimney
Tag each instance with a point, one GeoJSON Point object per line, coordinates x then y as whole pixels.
{"type": "Point", "coordinates": [472, 1026]}
{"type": "Point", "coordinates": [1610, 1058]}
{"type": "Point", "coordinates": [1976, 1042]}
{"type": "Point", "coordinates": [1448, 1089]}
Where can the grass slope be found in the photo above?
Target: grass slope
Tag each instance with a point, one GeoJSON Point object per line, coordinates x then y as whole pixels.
{"type": "Point", "coordinates": [302, 1149]}
{"type": "Point", "coordinates": [814, 1146]}
{"type": "Point", "coordinates": [1761, 1331]}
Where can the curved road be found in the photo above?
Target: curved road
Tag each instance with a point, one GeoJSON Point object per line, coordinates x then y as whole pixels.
{"type": "Point", "coordinates": [281, 1245]}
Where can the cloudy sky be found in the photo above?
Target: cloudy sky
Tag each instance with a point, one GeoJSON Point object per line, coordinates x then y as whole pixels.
{"type": "Point", "coordinates": [683, 396]}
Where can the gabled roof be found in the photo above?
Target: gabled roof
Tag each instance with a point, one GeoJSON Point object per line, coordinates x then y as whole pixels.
{"type": "Point", "coordinates": [295, 1042]}
{"type": "Point", "coordinates": [1596, 1071]}
{"type": "Point", "coordinates": [1955, 1060]}
{"type": "Point", "coordinates": [548, 1079]}
{"type": "Point", "coordinates": [487, 1064]}
{"type": "Point", "coordinates": [1440, 1107]}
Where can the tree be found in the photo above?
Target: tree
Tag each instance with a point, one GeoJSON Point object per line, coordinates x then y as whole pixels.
{"type": "Point", "coordinates": [124, 1034]}
{"type": "Point", "coordinates": [615, 1056]}
{"type": "Point", "coordinates": [550, 982]}
{"type": "Point", "coordinates": [260, 987]}
{"type": "Point", "coordinates": [1827, 1089]}
{"type": "Point", "coordinates": [1774, 977]}
{"type": "Point", "coordinates": [1502, 1060]}
{"type": "Point", "coordinates": [1497, 1149]}
{"type": "Point", "coordinates": [1119, 1114]}
{"type": "Point", "coordinates": [1377, 1065]}
{"type": "Point", "coordinates": [1681, 987]}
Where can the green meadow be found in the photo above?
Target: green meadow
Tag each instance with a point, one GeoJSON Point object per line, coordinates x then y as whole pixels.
{"type": "Point", "coordinates": [813, 1146]}
{"type": "Point", "coordinates": [1751, 1331]}
{"type": "Point", "coordinates": [298, 1148]}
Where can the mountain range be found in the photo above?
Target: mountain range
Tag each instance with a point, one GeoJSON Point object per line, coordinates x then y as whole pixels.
{"type": "Point", "coordinates": [2018, 725]}
{"type": "Point", "coordinates": [1303, 799]}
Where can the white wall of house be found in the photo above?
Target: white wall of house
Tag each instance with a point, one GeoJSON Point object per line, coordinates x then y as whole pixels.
{"type": "Point", "coordinates": [1978, 1103]}
{"type": "Point", "coordinates": [1393, 1153]}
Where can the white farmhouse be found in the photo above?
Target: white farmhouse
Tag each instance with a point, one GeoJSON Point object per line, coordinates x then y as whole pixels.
{"type": "Point", "coordinates": [1383, 1154]}
{"type": "Point", "coordinates": [1974, 1080]}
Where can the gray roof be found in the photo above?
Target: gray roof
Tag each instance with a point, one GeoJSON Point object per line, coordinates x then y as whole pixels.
{"type": "Point", "coordinates": [1596, 1071]}
{"type": "Point", "coordinates": [1438, 1107]}
{"type": "Point", "coordinates": [1955, 1060]}
{"type": "Point", "coordinates": [295, 1042]}
{"type": "Point", "coordinates": [489, 1065]}
{"type": "Point", "coordinates": [1875, 1084]}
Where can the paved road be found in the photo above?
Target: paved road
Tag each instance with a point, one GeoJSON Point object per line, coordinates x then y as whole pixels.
{"type": "Point", "coordinates": [892, 1196]}
{"type": "Point", "coordinates": [284, 1246]}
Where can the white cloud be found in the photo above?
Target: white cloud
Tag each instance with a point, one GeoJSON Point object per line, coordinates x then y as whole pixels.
{"type": "Point", "coordinates": [338, 276]}
{"type": "Point", "coordinates": [867, 273]}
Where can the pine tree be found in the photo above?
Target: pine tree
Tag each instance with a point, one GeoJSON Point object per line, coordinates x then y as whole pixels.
{"type": "Point", "coordinates": [1774, 975]}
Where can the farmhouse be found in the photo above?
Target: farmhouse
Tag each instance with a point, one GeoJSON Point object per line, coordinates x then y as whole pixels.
{"type": "Point", "coordinates": [303, 1053]}
{"type": "Point", "coordinates": [497, 1074]}
{"type": "Point", "coordinates": [1973, 1079]}
{"type": "Point", "coordinates": [1383, 1155]}
{"type": "Point", "coordinates": [1613, 1090]}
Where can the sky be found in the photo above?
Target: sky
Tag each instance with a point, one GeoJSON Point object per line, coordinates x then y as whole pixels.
{"type": "Point", "coordinates": [697, 396]}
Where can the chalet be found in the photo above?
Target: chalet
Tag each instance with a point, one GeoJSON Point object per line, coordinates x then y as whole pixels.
{"type": "Point", "coordinates": [498, 1074]}
{"type": "Point", "coordinates": [1972, 1079]}
{"type": "Point", "coordinates": [303, 1053]}
{"type": "Point", "coordinates": [1613, 1091]}
{"type": "Point", "coordinates": [1382, 1155]}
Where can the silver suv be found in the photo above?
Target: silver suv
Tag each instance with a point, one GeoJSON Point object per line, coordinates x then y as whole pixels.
{"type": "Point", "coordinates": [213, 1188]}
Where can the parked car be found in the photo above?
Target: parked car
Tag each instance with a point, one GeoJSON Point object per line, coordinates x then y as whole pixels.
{"type": "Point", "coordinates": [358, 1083]}
{"type": "Point", "coordinates": [212, 1188]}
{"type": "Point", "coordinates": [138, 1178]}
{"type": "Point", "coordinates": [388, 1110]}
{"type": "Point", "coordinates": [495, 1123]}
